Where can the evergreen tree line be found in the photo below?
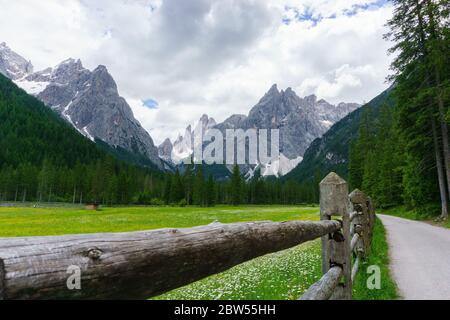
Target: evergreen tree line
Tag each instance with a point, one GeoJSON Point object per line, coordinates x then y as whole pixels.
{"type": "Point", "coordinates": [403, 156]}
{"type": "Point", "coordinates": [104, 181]}
{"type": "Point", "coordinates": [109, 182]}
{"type": "Point", "coordinates": [194, 188]}
{"type": "Point", "coordinates": [44, 159]}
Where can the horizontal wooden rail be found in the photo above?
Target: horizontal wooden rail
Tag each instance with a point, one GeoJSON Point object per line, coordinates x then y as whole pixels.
{"type": "Point", "coordinates": [140, 265]}
{"type": "Point", "coordinates": [324, 288]}
{"type": "Point", "coordinates": [354, 242]}
{"type": "Point", "coordinates": [353, 215]}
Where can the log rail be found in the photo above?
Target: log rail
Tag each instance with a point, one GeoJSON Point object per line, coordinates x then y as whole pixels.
{"type": "Point", "coordinates": [140, 265]}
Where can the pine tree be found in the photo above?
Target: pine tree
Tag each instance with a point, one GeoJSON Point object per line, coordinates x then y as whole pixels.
{"type": "Point", "coordinates": [210, 192]}
{"type": "Point", "coordinates": [236, 186]}
{"type": "Point", "coordinates": [167, 189]}
{"type": "Point", "coordinates": [419, 29]}
{"type": "Point", "coordinates": [188, 184]}
{"type": "Point", "coordinates": [176, 188]}
{"type": "Point", "coordinates": [359, 150]}
{"type": "Point", "coordinates": [199, 188]}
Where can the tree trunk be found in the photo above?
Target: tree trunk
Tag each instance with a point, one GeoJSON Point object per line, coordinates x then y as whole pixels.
{"type": "Point", "coordinates": [445, 142]}
{"type": "Point", "coordinates": [440, 171]}
{"type": "Point", "coordinates": [437, 75]}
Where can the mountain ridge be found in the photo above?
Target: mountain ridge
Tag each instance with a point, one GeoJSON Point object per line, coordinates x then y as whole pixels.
{"type": "Point", "coordinates": [331, 151]}
{"type": "Point", "coordinates": [300, 121]}
{"type": "Point", "coordinates": [88, 100]}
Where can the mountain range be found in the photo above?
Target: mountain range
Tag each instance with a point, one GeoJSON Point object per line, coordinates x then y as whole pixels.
{"type": "Point", "coordinates": [300, 121]}
{"type": "Point", "coordinates": [88, 100]}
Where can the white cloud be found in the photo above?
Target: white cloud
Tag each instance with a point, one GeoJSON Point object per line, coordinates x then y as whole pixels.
{"type": "Point", "coordinates": [208, 56]}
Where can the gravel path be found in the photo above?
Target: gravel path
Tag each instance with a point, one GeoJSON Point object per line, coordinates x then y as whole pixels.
{"type": "Point", "coordinates": [420, 258]}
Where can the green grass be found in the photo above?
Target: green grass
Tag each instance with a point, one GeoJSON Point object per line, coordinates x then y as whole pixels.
{"type": "Point", "coordinates": [379, 256]}
{"type": "Point", "coordinates": [57, 221]}
{"type": "Point", "coordinates": [418, 215]}
{"type": "Point", "coordinates": [282, 275]}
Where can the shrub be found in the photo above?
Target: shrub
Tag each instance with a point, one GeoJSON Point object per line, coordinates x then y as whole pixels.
{"type": "Point", "coordinates": [157, 202]}
{"type": "Point", "coordinates": [182, 203]}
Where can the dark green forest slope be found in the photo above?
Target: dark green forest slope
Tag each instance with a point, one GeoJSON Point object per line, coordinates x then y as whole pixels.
{"type": "Point", "coordinates": [331, 152]}
{"type": "Point", "coordinates": [43, 158]}
{"type": "Point", "coordinates": [404, 158]}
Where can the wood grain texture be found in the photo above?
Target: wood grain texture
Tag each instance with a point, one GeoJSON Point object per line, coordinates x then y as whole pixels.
{"type": "Point", "coordinates": [139, 265]}
{"type": "Point", "coordinates": [324, 288]}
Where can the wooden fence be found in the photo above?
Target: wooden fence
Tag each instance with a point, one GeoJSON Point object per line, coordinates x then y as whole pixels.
{"type": "Point", "coordinates": [139, 265]}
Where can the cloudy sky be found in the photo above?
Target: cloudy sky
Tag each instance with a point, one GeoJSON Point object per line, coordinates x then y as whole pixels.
{"type": "Point", "coordinates": [189, 57]}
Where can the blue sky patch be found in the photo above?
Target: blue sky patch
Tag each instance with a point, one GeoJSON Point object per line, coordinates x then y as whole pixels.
{"type": "Point", "coordinates": [309, 15]}
{"type": "Point", "coordinates": [150, 103]}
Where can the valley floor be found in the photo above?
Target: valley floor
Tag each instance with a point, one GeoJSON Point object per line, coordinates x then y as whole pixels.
{"type": "Point", "coordinates": [29, 221]}
{"type": "Point", "coordinates": [282, 275]}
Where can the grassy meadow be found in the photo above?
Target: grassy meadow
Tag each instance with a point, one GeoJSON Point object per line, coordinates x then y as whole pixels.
{"type": "Point", "coordinates": [279, 276]}
{"type": "Point", "coordinates": [282, 275]}
{"type": "Point", "coordinates": [15, 222]}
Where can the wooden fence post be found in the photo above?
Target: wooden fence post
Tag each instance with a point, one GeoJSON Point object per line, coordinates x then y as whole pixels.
{"type": "Point", "coordinates": [336, 247]}
{"type": "Point", "coordinates": [362, 221]}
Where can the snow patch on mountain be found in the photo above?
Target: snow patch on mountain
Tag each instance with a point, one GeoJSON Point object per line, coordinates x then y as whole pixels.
{"type": "Point", "coordinates": [32, 87]}
{"type": "Point", "coordinates": [299, 120]}
{"type": "Point", "coordinates": [183, 147]}
{"type": "Point", "coordinates": [13, 65]}
{"type": "Point", "coordinates": [88, 100]}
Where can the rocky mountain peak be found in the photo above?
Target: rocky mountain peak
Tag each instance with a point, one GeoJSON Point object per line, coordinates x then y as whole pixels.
{"type": "Point", "coordinates": [311, 99]}
{"type": "Point", "coordinates": [13, 65]}
{"type": "Point", "coordinates": [165, 150]}
{"type": "Point", "coordinates": [273, 90]}
{"type": "Point", "coordinates": [204, 118]}
{"type": "Point", "coordinates": [88, 100]}
{"type": "Point", "coordinates": [272, 94]}
{"type": "Point", "coordinates": [103, 81]}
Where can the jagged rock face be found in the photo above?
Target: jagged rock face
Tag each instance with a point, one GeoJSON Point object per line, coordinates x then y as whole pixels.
{"type": "Point", "coordinates": [235, 121]}
{"type": "Point", "coordinates": [165, 150]}
{"type": "Point", "coordinates": [300, 121]}
{"type": "Point", "coordinates": [183, 147]}
{"type": "Point", "coordinates": [91, 103]}
{"type": "Point", "coordinates": [13, 65]}
{"type": "Point", "coordinates": [88, 100]}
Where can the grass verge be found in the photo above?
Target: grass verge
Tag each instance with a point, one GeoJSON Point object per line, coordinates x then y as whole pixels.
{"type": "Point", "coordinates": [379, 256]}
